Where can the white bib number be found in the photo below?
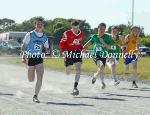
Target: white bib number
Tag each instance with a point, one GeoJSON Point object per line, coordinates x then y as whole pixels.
{"type": "Point", "coordinates": [98, 48]}
{"type": "Point", "coordinates": [37, 47]}
{"type": "Point", "coordinates": [113, 47]}
{"type": "Point", "coordinates": [76, 42]}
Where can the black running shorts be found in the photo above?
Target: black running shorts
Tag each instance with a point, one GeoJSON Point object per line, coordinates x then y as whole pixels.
{"type": "Point", "coordinates": [72, 57]}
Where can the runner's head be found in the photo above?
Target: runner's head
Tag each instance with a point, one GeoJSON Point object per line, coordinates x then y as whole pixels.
{"type": "Point", "coordinates": [38, 23]}
{"type": "Point", "coordinates": [75, 26]}
{"type": "Point", "coordinates": [101, 28]}
{"type": "Point", "coordinates": [114, 30]}
{"type": "Point", "coordinates": [135, 30]}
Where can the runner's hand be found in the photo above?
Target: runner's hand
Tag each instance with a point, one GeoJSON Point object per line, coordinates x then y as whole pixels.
{"type": "Point", "coordinates": [137, 51]}
{"type": "Point", "coordinates": [23, 60]}
{"type": "Point", "coordinates": [102, 41]}
{"type": "Point", "coordinates": [64, 54]}
{"type": "Point", "coordinates": [83, 50]}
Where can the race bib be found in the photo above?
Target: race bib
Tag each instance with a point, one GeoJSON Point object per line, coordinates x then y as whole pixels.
{"type": "Point", "coordinates": [113, 47]}
{"type": "Point", "coordinates": [76, 42]}
{"type": "Point", "coordinates": [37, 47]}
{"type": "Point", "coordinates": [98, 48]}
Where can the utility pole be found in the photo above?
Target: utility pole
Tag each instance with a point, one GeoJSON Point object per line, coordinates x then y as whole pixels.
{"type": "Point", "coordinates": [132, 12]}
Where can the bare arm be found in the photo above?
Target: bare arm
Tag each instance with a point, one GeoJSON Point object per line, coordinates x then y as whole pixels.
{"type": "Point", "coordinates": [106, 45]}
{"type": "Point", "coordinates": [23, 56]}
{"type": "Point", "coordinates": [86, 44]}
{"type": "Point", "coordinates": [23, 47]}
{"type": "Point", "coordinates": [46, 47]}
{"type": "Point", "coordinates": [25, 43]}
{"type": "Point", "coordinates": [47, 50]}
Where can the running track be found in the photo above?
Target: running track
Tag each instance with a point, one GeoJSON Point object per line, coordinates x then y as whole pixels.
{"type": "Point", "coordinates": [16, 95]}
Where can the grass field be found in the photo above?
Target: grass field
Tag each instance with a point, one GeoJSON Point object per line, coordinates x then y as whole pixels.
{"type": "Point", "coordinates": [89, 66]}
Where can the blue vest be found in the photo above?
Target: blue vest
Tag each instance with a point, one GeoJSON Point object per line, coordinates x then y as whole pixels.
{"type": "Point", "coordinates": [36, 44]}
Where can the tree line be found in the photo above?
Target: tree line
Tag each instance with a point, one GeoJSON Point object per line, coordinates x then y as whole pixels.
{"type": "Point", "coordinates": [57, 26]}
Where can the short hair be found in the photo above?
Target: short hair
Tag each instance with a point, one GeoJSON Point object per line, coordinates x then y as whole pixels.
{"type": "Point", "coordinates": [75, 23]}
{"type": "Point", "coordinates": [133, 27]}
{"type": "Point", "coordinates": [38, 19]}
{"type": "Point", "coordinates": [114, 27]}
{"type": "Point", "coordinates": [102, 24]}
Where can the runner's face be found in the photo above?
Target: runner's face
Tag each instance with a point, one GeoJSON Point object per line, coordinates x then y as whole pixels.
{"type": "Point", "coordinates": [135, 31]}
{"type": "Point", "coordinates": [76, 29]}
{"type": "Point", "coordinates": [114, 32]}
{"type": "Point", "coordinates": [38, 25]}
{"type": "Point", "coordinates": [101, 29]}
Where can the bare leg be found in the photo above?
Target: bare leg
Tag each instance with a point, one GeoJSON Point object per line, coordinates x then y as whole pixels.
{"type": "Point", "coordinates": [40, 72]}
{"type": "Point", "coordinates": [100, 73]}
{"type": "Point", "coordinates": [78, 70]}
{"type": "Point", "coordinates": [31, 73]}
{"type": "Point", "coordinates": [113, 69]}
{"type": "Point", "coordinates": [77, 78]}
{"type": "Point", "coordinates": [134, 72]}
{"type": "Point", "coordinates": [68, 70]}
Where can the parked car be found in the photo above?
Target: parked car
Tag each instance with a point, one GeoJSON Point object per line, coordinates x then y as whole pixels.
{"type": "Point", "coordinates": [10, 46]}
{"type": "Point", "coordinates": [1, 44]}
{"type": "Point", "coordinates": [144, 51]}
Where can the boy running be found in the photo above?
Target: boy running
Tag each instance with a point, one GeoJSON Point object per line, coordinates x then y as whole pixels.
{"type": "Point", "coordinates": [131, 52]}
{"type": "Point", "coordinates": [71, 47]}
{"type": "Point", "coordinates": [32, 47]}
{"type": "Point", "coordinates": [116, 53]}
{"type": "Point", "coordinates": [102, 42]}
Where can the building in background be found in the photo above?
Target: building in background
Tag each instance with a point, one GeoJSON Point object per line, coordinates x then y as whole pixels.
{"type": "Point", "coordinates": [17, 36]}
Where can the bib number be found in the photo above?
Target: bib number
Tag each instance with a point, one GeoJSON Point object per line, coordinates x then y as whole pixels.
{"type": "Point", "coordinates": [76, 42]}
{"type": "Point", "coordinates": [98, 48]}
{"type": "Point", "coordinates": [113, 47]}
{"type": "Point", "coordinates": [37, 47]}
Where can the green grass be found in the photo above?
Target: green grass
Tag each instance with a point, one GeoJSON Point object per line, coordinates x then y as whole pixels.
{"type": "Point", "coordinates": [54, 63]}
{"type": "Point", "coordinates": [89, 66]}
